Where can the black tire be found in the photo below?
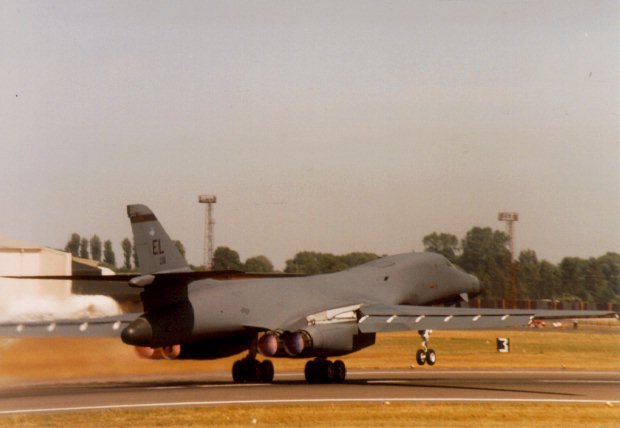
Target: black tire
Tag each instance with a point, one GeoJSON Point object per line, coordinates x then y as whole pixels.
{"type": "Point", "coordinates": [431, 357]}
{"type": "Point", "coordinates": [266, 371]}
{"type": "Point", "coordinates": [327, 371]}
{"type": "Point", "coordinates": [310, 372]}
{"type": "Point", "coordinates": [340, 371]}
{"type": "Point", "coordinates": [238, 370]}
{"type": "Point", "coordinates": [252, 371]}
{"type": "Point", "coordinates": [420, 357]}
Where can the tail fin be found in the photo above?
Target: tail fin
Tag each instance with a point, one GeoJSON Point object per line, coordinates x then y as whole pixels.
{"type": "Point", "coordinates": [155, 250]}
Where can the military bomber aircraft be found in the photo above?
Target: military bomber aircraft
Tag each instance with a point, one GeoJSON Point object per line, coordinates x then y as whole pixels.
{"type": "Point", "coordinates": [195, 315]}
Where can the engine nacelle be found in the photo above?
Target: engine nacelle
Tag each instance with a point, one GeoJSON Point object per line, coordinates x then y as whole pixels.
{"type": "Point", "coordinates": [162, 327]}
{"type": "Point", "coordinates": [268, 344]}
{"type": "Point", "coordinates": [326, 340]}
{"type": "Point", "coordinates": [296, 343]}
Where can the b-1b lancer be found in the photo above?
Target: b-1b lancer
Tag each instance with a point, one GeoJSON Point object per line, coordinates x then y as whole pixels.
{"type": "Point", "coordinates": [194, 315]}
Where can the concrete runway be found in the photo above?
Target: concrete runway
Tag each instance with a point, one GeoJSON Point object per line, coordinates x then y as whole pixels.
{"type": "Point", "coordinates": [210, 389]}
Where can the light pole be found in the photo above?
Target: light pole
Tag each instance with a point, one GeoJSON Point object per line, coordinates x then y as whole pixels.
{"type": "Point", "coordinates": [509, 218]}
{"type": "Point", "coordinates": [209, 223]}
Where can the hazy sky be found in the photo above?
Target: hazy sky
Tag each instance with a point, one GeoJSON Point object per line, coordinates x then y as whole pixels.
{"type": "Point", "coordinates": [327, 126]}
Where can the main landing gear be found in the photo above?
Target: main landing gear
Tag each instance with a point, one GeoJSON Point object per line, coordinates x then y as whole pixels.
{"type": "Point", "coordinates": [321, 370]}
{"type": "Point", "coordinates": [425, 355]}
{"type": "Point", "coordinates": [250, 370]}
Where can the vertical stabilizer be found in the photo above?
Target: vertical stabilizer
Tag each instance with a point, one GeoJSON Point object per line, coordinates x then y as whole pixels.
{"type": "Point", "coordinates": [155, 250]}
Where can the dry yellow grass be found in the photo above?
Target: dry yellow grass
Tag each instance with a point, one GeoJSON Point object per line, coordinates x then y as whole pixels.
{"type": "Point", "coordinates": [67, 358]}
{"type": "Point", "coordinates": [341, 415]}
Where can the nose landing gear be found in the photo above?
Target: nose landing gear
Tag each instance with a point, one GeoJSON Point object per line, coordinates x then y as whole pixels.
{"type": "Point", "coordinates": [425, 355]}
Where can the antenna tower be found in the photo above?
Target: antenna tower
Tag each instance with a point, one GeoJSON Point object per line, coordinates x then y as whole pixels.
{"type": "Point", "coordinates": [509, 218]}
{"type": "Point", "coordinates": [209, 200]}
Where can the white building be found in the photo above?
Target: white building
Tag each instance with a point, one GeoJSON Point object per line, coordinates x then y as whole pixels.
{"type": "Point", "coordinates": [22, 299]}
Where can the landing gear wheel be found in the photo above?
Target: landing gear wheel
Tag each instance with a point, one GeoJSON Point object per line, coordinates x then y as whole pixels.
{"type": "Point", "coordinates": [310, 372]}
{"type": "Point", "coordinates": [431, 357]}
{"type": "Point", "coordinates": [420, 357]}
{"type": "Point", "coordinates": [266, 371]}
{"type": "Point", "coordinates": [252, 371]}
{"type": "Point", "coordinates": [425, 355]}
{"type": "Point", "coordinates": [325, 371]}
{"type": "Point", "coordinates": [238, 372]}
{"type": "Point", "coordinates": [340, 371]}
{"type": "Point", "coordinates": [249, 370]}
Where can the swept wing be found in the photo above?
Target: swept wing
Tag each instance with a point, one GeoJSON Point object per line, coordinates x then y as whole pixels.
{"type": "Point", "coordinates": [383, 318]}
{"type": "Point", "coordinates": [86, 327]}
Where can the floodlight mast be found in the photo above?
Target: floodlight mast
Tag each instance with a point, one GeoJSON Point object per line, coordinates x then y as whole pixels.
{"type": "Point", "coordinates": [509, 218]}
{"type": "Point", "coordinates": [209, 200]}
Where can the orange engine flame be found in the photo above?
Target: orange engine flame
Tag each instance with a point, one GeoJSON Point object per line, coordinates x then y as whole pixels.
{"type": "Point", "coordinates": [167, 352]}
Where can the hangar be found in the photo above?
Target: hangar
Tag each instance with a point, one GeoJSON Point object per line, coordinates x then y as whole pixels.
{"type": "Point", "coordinates": [41, 299]}
{"type": "Point", "coordinates": [20, 258]}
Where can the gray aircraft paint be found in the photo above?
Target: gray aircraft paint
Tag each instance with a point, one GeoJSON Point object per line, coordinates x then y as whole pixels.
{"type": "Point", "coordinates": [406, 279]}
{"type": "Point", "coordinates": [217, 318]}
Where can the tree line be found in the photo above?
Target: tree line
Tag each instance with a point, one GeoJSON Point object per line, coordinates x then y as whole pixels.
{"type": "Point", "coordinates": [482, 252]}
{"type": "Point", "coordinates": [91, 249]}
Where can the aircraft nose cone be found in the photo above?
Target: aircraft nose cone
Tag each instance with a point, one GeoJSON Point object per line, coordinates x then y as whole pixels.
{"type": "Point", "coordinates": [138, 333]}
{"type": "Point", "coordinates": [475, 283]}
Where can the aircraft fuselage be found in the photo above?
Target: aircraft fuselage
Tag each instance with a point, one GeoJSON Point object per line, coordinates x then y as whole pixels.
{"type": "Point", "coordinates": [211, 309]}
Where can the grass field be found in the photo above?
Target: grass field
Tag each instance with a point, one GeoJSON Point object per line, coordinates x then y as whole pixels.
{"type": "Point", "coordinates": [68, 358]}
{"type": "Point", "coordinates": [591, 347]}
{"type": "Point", "coordinates": [342, 415]}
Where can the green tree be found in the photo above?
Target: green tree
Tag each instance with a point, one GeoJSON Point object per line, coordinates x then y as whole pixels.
{"type": "Point", "coordinates": [180, 247]}
{"type": "Point", "coordinates": [593, 280]}
{"type": "Point", "coordinates": [127, 247]}
{"type": "Point", "coordinates": [549, 284]}
{"type": "Point", "coordinates": [313, 263]}
{"type": "Point", "coordinates": [486, 256]}
{"type": "Point", "coordinates": [84, 248]}
{"type": "Point", "coordinates": [308, 262]}
{"type": "Point", "coordinates": [442, 243]}
{"type": "Point", "coordinates": [108, 254]}
{"type": "Point", "coordinates": [595, 285]}
{"type": "Point", "coordinates": [358, 258]}
{"type": "Point", "coordinates": [73, 246]}
{"type": "Point", "coordinates": [528, 275]}
{"type": "Point", "coordinates": [573, 278]}
{"type": "Point", "coordinates": [329, 263]}
{"type": "Point", "coordinates": [226, 259]}
{"type": "Point", "coordinates": [95, 248]}
{"type": "Point", "coordinates": [258, 264]}
{"type": "Point", "coordinates": [610, 267]}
